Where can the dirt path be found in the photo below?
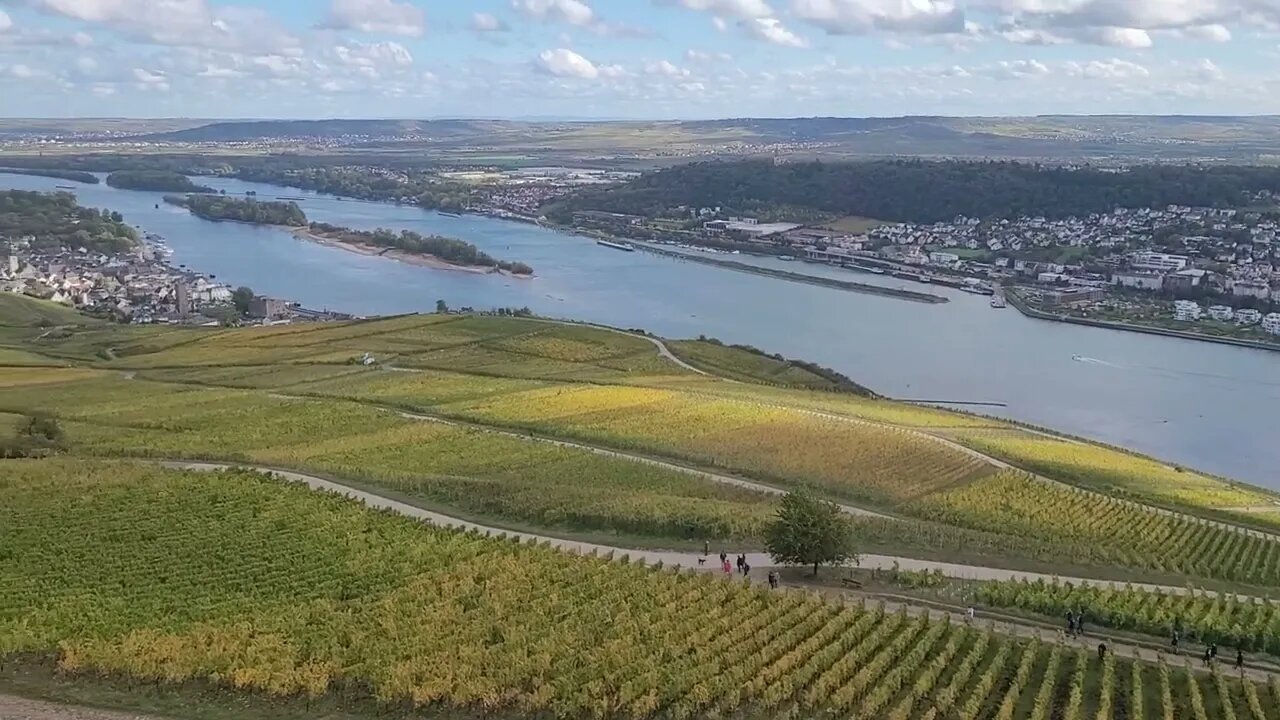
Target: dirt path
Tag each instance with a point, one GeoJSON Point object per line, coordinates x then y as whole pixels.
{"type": "Point", "coordinates": [690, 560]}
{"type": "Point", "coordinates": [16, 708]}
{"type": "Point", "coordinates": [663, 350]}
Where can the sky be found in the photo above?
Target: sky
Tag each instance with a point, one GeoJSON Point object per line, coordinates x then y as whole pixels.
{"type": "Point", "coordinates": [642, 59]}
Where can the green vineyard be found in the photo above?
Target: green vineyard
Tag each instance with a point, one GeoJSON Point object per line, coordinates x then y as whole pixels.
{"type": "Point", "coordinates": [235, 579]}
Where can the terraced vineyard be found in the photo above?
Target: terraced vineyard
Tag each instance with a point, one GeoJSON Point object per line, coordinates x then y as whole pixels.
{"type": "Point", "coordinates": [166, 576]}
{"type": "Point", "coordinates": [1108, 531]}
{"type": "Point", "coordinates": [1251, 624]}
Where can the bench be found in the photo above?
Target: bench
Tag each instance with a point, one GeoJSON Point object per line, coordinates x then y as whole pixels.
{"type": "Point", "coordinates": [851, 583]}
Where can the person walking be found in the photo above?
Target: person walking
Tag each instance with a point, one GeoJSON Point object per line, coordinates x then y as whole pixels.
{"type": "Point", "coordinates": [1176, 637]}
{"type": "Point", "coordinates": [1208, 657]}
{"type": "Point", "coordinates": [1080, 623]}
{"type": "Point", "coordinates": [741, 560]}
{"type": "Point", "coordinates": [706, 548]}
{"type": "Point", "coordinates": [1213, 651]}
{"type": "Point", "coordinates": [1102, 651]}
{"type": "Point", "coordinates": [1071, 624]}
{"type": "Point", "coordinates": [724, 557]}
{"type": "Point", "coordinates": [773, 579]}
{"type": "Point", "coordinates": [724, 565]}
{"type": "Point", "coordinates": [1239, 659]}
{"type": "Point", "coordinates": [746, 567]}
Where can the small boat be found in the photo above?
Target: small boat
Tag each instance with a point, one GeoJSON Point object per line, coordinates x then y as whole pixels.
{"type": "Point", "coordinates": [65, 187]}
{"type": "Point", "coordinates": [449, 214]}
{"type": "Point", "coordinates": [625, 247]}
{"type": "Point", "coordinates": [787, 258]}
{"type": "Point", "coordinates": [1078, 358]}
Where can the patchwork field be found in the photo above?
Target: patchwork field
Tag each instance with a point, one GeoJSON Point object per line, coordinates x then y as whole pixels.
{"type": "Point", "coordinates": [275, 592]}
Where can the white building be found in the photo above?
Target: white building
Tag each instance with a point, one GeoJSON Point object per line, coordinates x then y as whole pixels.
{"type": "Point", "coordinates": [1221, 312]}
{"type": "Point", "coordinates": [1248, 316]}
{"type": "Point", "coordinates": [1160, 261]}
{"type": "Point", "coordinates": [1140, 280]}
{"type": "Point", "coordinates": [1187, 311]}
{"type": "Point", "coordinates": [1271, 323]}
{"type": "Point", "coordinates": [1251, 288]}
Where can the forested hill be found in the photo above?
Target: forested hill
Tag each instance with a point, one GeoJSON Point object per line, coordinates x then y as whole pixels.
{"type": "Point", "coordinates": [56, 220]}
{"type": "Point", "coordinates": [922, 191]}
{"type": "Point", "coordinates": [221, 207]}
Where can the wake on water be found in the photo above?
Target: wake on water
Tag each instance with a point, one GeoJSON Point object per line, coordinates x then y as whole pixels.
{"type": "Point", "coordinates": [1166, 372]}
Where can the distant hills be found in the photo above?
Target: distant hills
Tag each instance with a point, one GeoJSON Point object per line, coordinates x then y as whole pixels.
{"type": "Point", "coordinates": [1084, 137]}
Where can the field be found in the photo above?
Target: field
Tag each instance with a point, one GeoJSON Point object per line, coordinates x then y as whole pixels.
{"type": "Point", "coordinates": [1115, 472]}
{"type": "Point", "coordinates": [1233, 622]}
{"type": "Point", "coordinates": [168, 577]}
{"type": "Point", "coordinates": [1107, 531]}
{"type": "Point", "coordinates": [296, 397]}
{"type": "Point", "coordinates": [746, 366]}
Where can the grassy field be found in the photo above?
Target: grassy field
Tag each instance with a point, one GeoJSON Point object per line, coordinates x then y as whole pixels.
{"type": "Point", "coordinates": [236, 582]}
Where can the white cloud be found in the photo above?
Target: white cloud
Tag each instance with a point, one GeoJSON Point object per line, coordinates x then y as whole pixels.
{"type": "Point", "coordinates": [859, 17]}
{"type": "Point", "coordinates": [382, 17]}
{"type": "Point", "coordinates": [701, 56]}
{"type": "Point", "coordinates": [573, 12]}
{"type": "Point", "coordinates": [148, 77]}
{"type": "Point", "coordinates": [373, 56]}
{"type": "Point", "coordinates": [667, 69]}
{"type": "Point", "coordinates": [719, 23]}
{"type": "Point", "coordinates": [1114, 68]}
{"type": "Point", "coordinates": [732, 8]}
{"type": "Point", "coordinates": [1017, 69]}
{"type": "Point", "coordinates": [487, 22]}
{"type": "Point", "coordinates": [1132, 38]}
{"type": "Point", "coordinates": [86, 65]}
{"type": "Point", "coordinates": [82, 39]}
{"type": "Point", "coordinates": [183, 23]}
{"type": "Point", "coordinates": [563, 62]}
{"type": "Point", "coordinates": [1212, 33]}
{"type": "Point", "coordinates": [5, 21]}
{"type": "Point", "coordinates": [22, 72]}
{"type": "Point", "coordinates": [103, 90]}
{"type": "Point", "coordinates": [771, 30]}
{"type": "Point", "coordinates": [1209, 71]}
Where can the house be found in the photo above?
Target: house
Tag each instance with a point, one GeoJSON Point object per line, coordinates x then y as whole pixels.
{"type": "Point", "coordinates": [1140, 279]}
{"type": "Point", "coordinates": [1160, 261]}
{"type": "Point", "coordinates": [1251, 289]}
{"type": "Point", "coordinates": [1187, 311]}
{"type": "Point", "coordinates": [268, 308]}
{"type": "Point", "coordinates": [1248, 316]}
{"type": "Point", "coordinates": [943, 258]}
{"type": "Point", "coordinates": [1221, 312]}
{"type": "Point", "coordinates": [1271, 323]}
{"type": "Point", "coordinates": [1072, 297]}
{"type": "Point", "coordinates": [1186, 279]}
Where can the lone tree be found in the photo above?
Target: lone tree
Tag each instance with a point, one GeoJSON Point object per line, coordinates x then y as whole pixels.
{"type": "Point", "coordinates": [241, 298]}
{"type": "Point", "coordinates": [809, 531]}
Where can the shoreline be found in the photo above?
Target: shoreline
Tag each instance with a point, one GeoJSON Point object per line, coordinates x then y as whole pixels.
{"type": "Point", "coordinates": [419, 259]}
{"type": "Point", "coordinates": [847, 285]}
{"type": "Point", "coordinates": [1017, 302]}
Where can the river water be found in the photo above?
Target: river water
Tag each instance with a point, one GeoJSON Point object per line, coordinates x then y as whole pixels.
{"type": "Point", "coordinates": [1212, 407]}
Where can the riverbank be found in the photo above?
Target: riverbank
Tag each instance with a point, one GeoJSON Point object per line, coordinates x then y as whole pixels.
{"type": "Point", "coordinates": [1025, 308]}
{"type": "Point", "coordinates": [418, 259]}
{"type": "Point", "coordinates": [849, 285]}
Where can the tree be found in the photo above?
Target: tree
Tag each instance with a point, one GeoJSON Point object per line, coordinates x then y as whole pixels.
{"type": "Point", "coordinates": [810, 531]}
{"type": "Point", "coordinates": [241, 297]}
{"type": "Point", "coordinates": [442, 307]}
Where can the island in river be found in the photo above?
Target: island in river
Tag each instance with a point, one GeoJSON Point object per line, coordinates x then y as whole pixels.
{"type": "Point", "coordinates": [155, 180]}
{"type": "Point", "coordinates": [407, 246]}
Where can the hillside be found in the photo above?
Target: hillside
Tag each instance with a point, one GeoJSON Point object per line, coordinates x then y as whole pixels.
{"type": "Point", "coordinates": [919, 191]}
{"type": "Point", "coordinates": [136, 565]}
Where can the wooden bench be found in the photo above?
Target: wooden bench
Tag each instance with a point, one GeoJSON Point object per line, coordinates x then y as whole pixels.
{"type": "Point", "coordinates": [851, 583]}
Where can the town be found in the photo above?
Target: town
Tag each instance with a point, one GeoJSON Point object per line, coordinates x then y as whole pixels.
{"type": "Point", "coordinates": [138, 286]}
{"type": "Point", "coordinates": [1206, 270]}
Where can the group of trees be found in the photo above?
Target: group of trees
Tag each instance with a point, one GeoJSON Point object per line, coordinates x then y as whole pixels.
{"type": "Point", "coordinates": [920, 190]}
{"type": "Point", "coordinates": [222, 207]}
{"type": "Point", "coordinates": [155, 180]}
{"type": "Point", "coordinates": [73, 175]}
{"type": "Point", "coordinates": [37, 436]}
{"type": "Point", "coordinates": [423, 188]}
{"type": "Point", "coordinates": [56, 220]}
{"type": "Point", "coordinates": [451, 250]}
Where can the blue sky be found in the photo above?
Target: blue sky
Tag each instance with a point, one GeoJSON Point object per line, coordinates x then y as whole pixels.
{"type": "Point", "coordinates": [636, 58]}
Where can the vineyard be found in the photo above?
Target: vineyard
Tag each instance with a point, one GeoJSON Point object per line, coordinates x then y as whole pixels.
{"type": "Point", "coordinates": [1106, 531]}
{"type": "Point", "coordinates": [233, 578]}
{"type": "Point", "coordinates": [1113, 471]}
{"type": "Point", "coordinates": [1253, 625]}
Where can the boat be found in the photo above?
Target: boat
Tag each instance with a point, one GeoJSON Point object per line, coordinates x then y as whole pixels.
{"type": "Point", "coordinates": [449, 214]}
{"type": "Point", "coordinates": [787, 258]}
{"type": "Point", "coordinates": [625, 247]}
{"type": "Point", "coordinates": [998, 302]}
{"type": "Point", "coordinates": [65, 187]}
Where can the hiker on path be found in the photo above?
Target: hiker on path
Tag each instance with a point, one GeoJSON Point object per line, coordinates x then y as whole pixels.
{"type": "Point", "coordinates": [773, 579]}
{"type": "Point", "coordinates": [1080, 623]}
{"type": "Point", "coordinates": [742, 560]}
{"type": "Point", "coordinates": [1213, 651]}
{"type": "Point", "coordinates": [724, 565]}
{"type": "Point", "coordinates": [968, 616]}
{"type": "Point", "coordinates": [1175, 642]}
{"type": "Point", "coordinates": [706, 548]}
{"type": "Point", "coordinates": [724, 557]}
{"type": "Point", "coordinates": [746, 566]}
{"type": "Point", "coordinates": [1208, 657]}
{"type": "Point", "coordinates": [1071, 623]}
{"type": "Point", "coordinates": [1102, 651]}
{"type": "Point", "coordinates": [1239, 659]}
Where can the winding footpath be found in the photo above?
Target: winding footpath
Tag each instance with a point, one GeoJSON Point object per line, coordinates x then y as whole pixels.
{"type": "Point", "coordinates": [695, 561]}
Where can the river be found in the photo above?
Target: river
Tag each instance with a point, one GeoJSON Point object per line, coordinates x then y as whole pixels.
{"type": "Point", "coordinates": [1208, 406]}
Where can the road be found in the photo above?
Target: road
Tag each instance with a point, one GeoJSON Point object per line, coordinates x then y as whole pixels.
{"type": "Point", "coordinates": [16, 708]}
{"type": "Point", "coordinates": [650, 557]}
